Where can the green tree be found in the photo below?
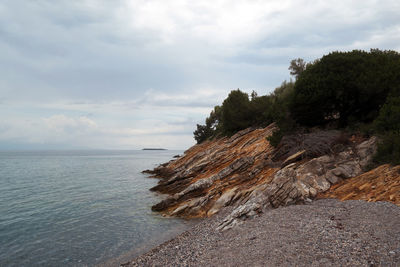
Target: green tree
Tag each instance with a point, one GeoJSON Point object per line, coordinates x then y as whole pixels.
{"type": "Point", "coordinates": [387, 125]}
{"type": "Point", "coordinates": [236, 113]}
{"type": "Point", "coordinates": [345, 86]}
{"type": "Point", "coordinates": [211, 127]}
{"type": "Point", "coordinates": [297, 66]}
{"type": "Point", "coordinates": [279, 112]}
{"type": "Point", "coordinates": [389, 117]}
{"type": "Point", "coordinates": [260, 109]}
{"type": "Point", "coordinates": [202, 133]}
{"type": "Point", "coordinates": [388, 149]}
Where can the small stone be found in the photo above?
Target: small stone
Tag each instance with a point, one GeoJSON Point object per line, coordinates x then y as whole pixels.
{"type": "Point", "coordinates": [313, 192]}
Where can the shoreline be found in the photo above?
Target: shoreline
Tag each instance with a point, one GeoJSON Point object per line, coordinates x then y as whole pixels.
{"type": "Point", "coordinates": [266, 205]}
{"type": "Point", "coordinates": [324, 232]}
{"type": "Point", "coordinates": [150, 244]}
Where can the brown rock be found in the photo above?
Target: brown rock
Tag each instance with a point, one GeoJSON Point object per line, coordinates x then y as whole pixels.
{"type": "Point", "coordinates": [379, 184]}
{"type": "Point", "coordinates": [246, 172]}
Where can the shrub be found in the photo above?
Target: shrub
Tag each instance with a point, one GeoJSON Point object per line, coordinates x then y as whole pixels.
{"type": "Point", "coordinates": [235, 112]}
{"type": "Point", "coordinates": [387, 125]}
{"type": "Point", "coordinates": [388, 149]}
{"type": "Point", "coordinates": [345, 86]}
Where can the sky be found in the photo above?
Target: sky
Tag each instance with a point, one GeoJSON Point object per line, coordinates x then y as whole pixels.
{"type": "Point", "coordinates": [142, 73]}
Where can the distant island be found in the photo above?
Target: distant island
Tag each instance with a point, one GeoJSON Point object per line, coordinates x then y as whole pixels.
{"type": "Point", "coordinates": [154, 149]}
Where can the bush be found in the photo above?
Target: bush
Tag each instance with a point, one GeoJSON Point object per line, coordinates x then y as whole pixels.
{"type": "Point", "coordinates": [260, 109]}
{"type": "Point", "coordinates": [235, 112]}
{"type": "Point", "coordinates": [202, 133]}
{"type": "Point", "coordinates": [345, 86]}
{"type": "Point", "coordinates": [280, 114]}
{"type": "Point", "coordinates": [388, 149]}
{"type": "Point", "coordinates": [387, 125]}
{"type": "Point", "coordinates": [358, 90]}
{"type": "Point", "coordinates": [389, 117]}
{"type": "Point", "coordinates": [211, 128]}
{"type": "Point", "coordinates": [275, 138]}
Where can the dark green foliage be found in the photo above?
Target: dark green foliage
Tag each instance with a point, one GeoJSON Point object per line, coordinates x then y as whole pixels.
{"type": "Point", "coordinates": [388, 149]}
{"type": "Point", "coordinates": [261, 110]}
{"type": "Point", "coordinates": [282, 97]}
{"type": "Point", "coordinates": [345, 86]}
{"type": "Point", "coordinates": [357, 90]}
{"type": "Point", "coordinates": [202, 133]}
{"type": "Point", "coordinates": [387, 125]}
{"type": "Point", "coordinates": [214, 120]}
{"type": "Point", "coordinates": [236, 112]}
{"type": "Point", "coordinates": [211, 128]}
{"type": "Point", "coordinates": [297, 66]}
{"type": "Point", "coordinates": [284, 92]}
{"type": "Point", "coordinates": [389, 117]}
{"type": "Point", "coordinates": [275, 138]}
{"type": "Point", "coordinates": [239, 112]}
{"type": "Point", "coordinates": [280, 112]}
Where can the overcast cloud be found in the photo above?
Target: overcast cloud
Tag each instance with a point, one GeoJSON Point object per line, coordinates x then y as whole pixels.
{"type": "Point", "coordinates": [141, 73]}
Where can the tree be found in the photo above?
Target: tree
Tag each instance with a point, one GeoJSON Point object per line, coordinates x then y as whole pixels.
{"type": "Point", "coordinates": [253, 95]}
{"type": "Point", "coordinates": [236, 113]}
{"type": "Point", "coordinates": [211, 127]}
{"type": "Point", "coordinates": [279, 112]}
{"type": "Point", "coordinates": [213, 121]}
{"type": "Point", "coordinates": [260, 110]}
{"type": "Point", "coordinates": [389, 117]}
{"type": "Point", "coordinates": [387, 125]}
{"type": "Point", "coordinates": [297, 66]}
{"type": "Point", "coordinates": [345, 86]}
{"type": "Point", "coordinates": [202, 133]}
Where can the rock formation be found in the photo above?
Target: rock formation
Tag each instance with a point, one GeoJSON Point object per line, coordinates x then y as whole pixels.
{"type": "Point", "coordinates": [244, 171]}
{"type": "Point", "coordinates": [379, 184]}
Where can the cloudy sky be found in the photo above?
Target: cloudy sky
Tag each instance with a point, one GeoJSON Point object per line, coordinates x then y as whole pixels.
{"type": "Point", "coordinates": [131, 74]}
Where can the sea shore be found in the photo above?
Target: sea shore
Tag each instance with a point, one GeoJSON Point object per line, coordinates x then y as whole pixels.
{"type": "Point", "coordinates": [325, 232]}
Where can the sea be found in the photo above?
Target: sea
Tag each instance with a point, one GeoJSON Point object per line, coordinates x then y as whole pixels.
{"type": "Point", "coordinates": [80, 208]}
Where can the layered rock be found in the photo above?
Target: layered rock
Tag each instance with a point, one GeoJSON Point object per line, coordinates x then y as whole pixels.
{"type": "Point", "coordinates": [379, 184]}
{"type": "Point", "coordinates": [246, 172]}
{"type": "Point", "coordinates": [214, 174]}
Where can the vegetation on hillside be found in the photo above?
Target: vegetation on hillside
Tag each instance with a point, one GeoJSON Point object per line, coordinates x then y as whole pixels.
{"type": "Point", "coordinates": [357, 91]}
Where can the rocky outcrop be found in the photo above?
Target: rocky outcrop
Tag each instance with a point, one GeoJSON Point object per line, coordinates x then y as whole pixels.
{"type": "Point", "coordinates": [379, 184]}
{"type": "Point", "coordinates": [247, 173]}
{"type": "Point", "coordinates": [302, 181]}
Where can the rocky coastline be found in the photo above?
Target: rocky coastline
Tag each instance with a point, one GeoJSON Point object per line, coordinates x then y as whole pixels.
{"type": "Point", "coordinates": [326, 232]}
{"type": "Point", "coordinates": [232, 179]}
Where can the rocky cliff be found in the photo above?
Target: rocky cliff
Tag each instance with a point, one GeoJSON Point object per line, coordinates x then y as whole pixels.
{"type": "Point", "coordinates": [245, 172]}
{"type": "Point", "coordinates": [379, 184]}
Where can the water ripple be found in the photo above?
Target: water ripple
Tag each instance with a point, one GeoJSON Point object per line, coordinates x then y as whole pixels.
{"type": "Point", "coordinates": [77, 208]}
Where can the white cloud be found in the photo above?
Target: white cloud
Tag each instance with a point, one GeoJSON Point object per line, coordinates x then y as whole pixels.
{"type": "Point", "coordinates": [84, 132]}
{"type": "Point", "coordinates": [223, 22]}
{"type": "Point", "coordinates": [125, 73]}
{"type": "Point", "coordinates": [62, 122]}
{"type": "Point", "coordinates": [241, 22]}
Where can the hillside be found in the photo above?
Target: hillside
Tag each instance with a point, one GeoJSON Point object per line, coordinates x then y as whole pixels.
{"type": "Point", "coordinates": [314, 137]}
{"type": "Point", "coordinates": [379, 184]}
{"type": "Point", "coordinates": [246, 173]}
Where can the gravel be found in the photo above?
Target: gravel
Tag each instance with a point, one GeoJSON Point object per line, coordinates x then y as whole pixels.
{"type": "Point", "coordinates": [325, 232]}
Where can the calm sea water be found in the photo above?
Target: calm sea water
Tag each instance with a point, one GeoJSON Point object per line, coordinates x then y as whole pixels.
{"type": "Point", "coordinates": [78, 208]}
